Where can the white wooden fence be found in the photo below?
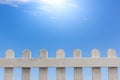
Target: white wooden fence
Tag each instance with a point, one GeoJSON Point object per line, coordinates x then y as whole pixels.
{"type": "Point", "coordinates": [60, 62]}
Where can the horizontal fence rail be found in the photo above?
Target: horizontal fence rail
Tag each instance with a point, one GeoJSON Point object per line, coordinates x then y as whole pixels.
{"type": "Point", "coordinates": [100, 62]}
{"type": "Point", "coordinates": [60, 63]}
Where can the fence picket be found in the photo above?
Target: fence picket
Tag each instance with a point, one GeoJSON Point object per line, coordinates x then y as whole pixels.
{"type": "Point", "coordinates": [8, 74]}
{"type": "Point", "coordinates": [26, 71]}
{"type": "Point", "coordinates": [112, 71]}
{"type": "Point", "coordinates": [43, 72]}
{"type": "Point", "coordinates": [77, 70]}
{"type": "Point", "coordinates": [96, 75]}
{"type": "Point", "coordinates": [60, 62]}
{"type": "Point", "coordinates": [60, 71]}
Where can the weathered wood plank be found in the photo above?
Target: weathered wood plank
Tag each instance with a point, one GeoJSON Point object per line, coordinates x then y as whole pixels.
{"type": "Point", "coordinates": [26, 70]}
{"type": "Point", "coordinates": [112, 71]}
{"type": "Point", "coordinates": [43, 72]}
{"type": "Point", "coordinates": [60, 71]}
{"type": "Point", "coordinates": [61, 62]}
{"type": "Point", "coordinates": [96, 75]}
{"type": "Point", "coordinates": [77, 70]}
{"type": "Point", "coordinates": [8, 74]}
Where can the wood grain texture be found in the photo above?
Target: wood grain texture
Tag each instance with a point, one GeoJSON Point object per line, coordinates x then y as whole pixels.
{"type": "Point", "coordinates": [61, 62]}
{"type": "Point", "coordinates": [26, 70]}
{"type": "Point", "coordinates": [112, 71]}
{"type": "Point", "coordinates": [43, 72]}
{"type": "Point", "coordinates": [77, 70]}
{"type": "Point", "coordinates": [96, 75]}
{"type": "Point", "coordinates": [8, 74]}
{"type": "Point", "coordinates": [60, 71]}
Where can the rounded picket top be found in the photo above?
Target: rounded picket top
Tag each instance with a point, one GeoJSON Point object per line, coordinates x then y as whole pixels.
{"type": "Point", "coordinates": [26, 53]}
{"type": "Point", "coordinates": [77, 53]}
{"type": "Point", "coordinates": [43, 53]}
{"type": "Point", "coordinates": [95, 53]}
{"type": "Point", "coordinates": [60, 53]}
{"type": "Point", "coordinates": [111, 53]}
{"type": "Point", "coordinates": [9, 53]}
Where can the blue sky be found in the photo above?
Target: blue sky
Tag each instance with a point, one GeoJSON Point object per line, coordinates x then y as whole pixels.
{"type": "Point", "coordinates": [64, 24]}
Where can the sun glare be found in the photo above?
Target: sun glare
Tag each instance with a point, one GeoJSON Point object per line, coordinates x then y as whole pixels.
{"type": "Point", "coordinates": [56, 6]}
{"type": "Point", "coordinates": [53, 2]}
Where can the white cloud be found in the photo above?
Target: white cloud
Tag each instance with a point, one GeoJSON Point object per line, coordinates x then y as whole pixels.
{"type": "Point", "coordinates": [49, 3]}
{"type": "Point", "coordinates": [56, 5]}
{"type": "Point", "coordinates": [45, 8]}
{"type": "Point", "coordinates": [14, 3]}
{"type": "Point", "coordinates": [49, 6]}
